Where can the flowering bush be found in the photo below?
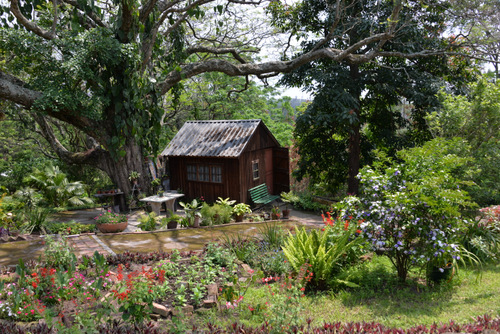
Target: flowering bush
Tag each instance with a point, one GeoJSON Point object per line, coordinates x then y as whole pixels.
{"type": "Point", "coordinates": [136, 292]}
{"type": "Point", "coordinates": [483, 235]}
{"type": "Point", "coordinates": [283, 310]}
{"type": "Point", "coordinates": [412, 210]}
{"type": "Point", "coordinates": [109, 217]}
{"type": "Point", "coordinates": [491, 214]}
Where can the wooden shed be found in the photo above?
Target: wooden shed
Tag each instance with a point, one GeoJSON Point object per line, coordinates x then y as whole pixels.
{"type": "Point", "coordinates": [225, 159]}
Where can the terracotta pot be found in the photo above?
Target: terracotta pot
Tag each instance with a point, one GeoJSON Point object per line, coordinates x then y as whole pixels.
{"type": "Point", "coordinates": [275, 216]}
{"type": "Point", "coordinates": [286, 213]}
{"type": "Point", "coordinates": [238, 218]}
{"type": "Point", "coordinates": [112, 228]}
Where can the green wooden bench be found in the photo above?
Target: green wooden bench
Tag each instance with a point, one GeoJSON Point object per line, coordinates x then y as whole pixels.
{"type": "Point", "coordinates": [260, 196]}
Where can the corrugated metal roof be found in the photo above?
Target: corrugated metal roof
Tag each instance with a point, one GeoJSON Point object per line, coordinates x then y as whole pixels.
{"type": "Point", "coordinates": [225, 138]}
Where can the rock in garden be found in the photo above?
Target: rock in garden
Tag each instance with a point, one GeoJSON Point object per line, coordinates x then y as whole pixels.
{"type": "Point", "coordinates": [161, 310]}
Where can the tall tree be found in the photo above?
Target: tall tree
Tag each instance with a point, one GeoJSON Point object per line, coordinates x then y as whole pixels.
{"type": "Point", "coordinates": [354, 106]}
{"type": "Point", "coordinates": [478, 23]}
{"type": "Point", "coordinates": [106, 66]}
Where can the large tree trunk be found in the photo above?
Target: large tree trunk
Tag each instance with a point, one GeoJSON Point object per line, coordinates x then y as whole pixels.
{"type": "Point", "coordinates": [119, 170]}
{"type": "Point", "coordinates": [354, 138]}
{"type": "Point", "coordinates": [354, 157]}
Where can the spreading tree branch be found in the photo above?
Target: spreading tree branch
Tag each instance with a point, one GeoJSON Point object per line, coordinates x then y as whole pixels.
{"type": "Point", "coordinates": [14, 8]}
{"type": "Point", "coordinates": [87, 157]}
{"type": "Point", "coordinates": [89, 14]}
{"type": "Point", "coordinates": [14, 89]}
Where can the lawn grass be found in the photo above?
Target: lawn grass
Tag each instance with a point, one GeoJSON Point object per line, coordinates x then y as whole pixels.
{"type": "Point", "coordinates": [380, 298]}
{"type": "Point", "coordinates": [466, 297]}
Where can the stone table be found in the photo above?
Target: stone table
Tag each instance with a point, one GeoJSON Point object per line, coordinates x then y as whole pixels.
{"type": "Point", "coordinates": [168, 198]}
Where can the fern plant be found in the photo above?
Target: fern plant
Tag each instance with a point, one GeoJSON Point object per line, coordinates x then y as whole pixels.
{"type": "Point", "coordinates": [148, 222]}
{"type": "Point", "coordinates": [317, 248]}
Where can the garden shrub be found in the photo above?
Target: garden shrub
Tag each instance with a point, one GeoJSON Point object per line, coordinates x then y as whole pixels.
{"type": "Point", "coordinates": [35, 220]}
{"type": "Point", "coordinates": [215, 254]}
{"type": "Point", "coordinates": [215, 214]}
{"type": "Point", "coordinates": [412, 209]}
{"type": "Point", "coordinates": [272, 235]}
{"type": "Point", "coordinates": [482, 237]}
{"type": "Point", "coordinates": [58, 254]}
{"type": "Point", "coordinates": [273, 263]}
{"type": "Point", "coordinates": [475, 117]}
{"type": "Point", "coordinates": [7, 218]}
{"type": "Point", "coordinates": [148, 222]}
{"type": "Point", "coordinates": [323, 250]}
{"type": "Point", "coordinates": [71, 227]}
{"type": "Point", "coordinates": [57, 190]}
{"type": "Point", "coordinates": [244, 249]}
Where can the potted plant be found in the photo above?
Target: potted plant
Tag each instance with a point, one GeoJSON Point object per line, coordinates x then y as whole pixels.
{"type": "Point", "coordinates": [111, 222]}
{"type": "Point", "coordinates": [439, 270]}
{"type": "Point", "coordinates": [134, 176]}
{"type": "Point", "coordinates": [172, 221]}
{"type": "Point", "coordinates": [192, 213]}
{"type": "Point", "coordinates": [275, 212]}
{"type": "Point", "coordinates": [155, 184]}
{"type": "Point", "coordinates": [288, 198]}
{"type": "Point", "coordinates": [239, 211]}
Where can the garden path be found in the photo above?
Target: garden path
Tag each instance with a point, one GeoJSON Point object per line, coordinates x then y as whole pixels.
{"type": "Point", "coordinates": [87, 244]}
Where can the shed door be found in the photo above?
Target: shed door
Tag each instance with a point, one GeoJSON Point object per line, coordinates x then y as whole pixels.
{"type": "Point", "coordinates": [281, 174]}
{"type": "Point", "coordinates": [268, 165]}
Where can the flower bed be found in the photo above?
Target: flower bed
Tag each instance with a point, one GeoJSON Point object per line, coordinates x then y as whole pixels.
{"type": "Point", "coordinates": [130, 286]}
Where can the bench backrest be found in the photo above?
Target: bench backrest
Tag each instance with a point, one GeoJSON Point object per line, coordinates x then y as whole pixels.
{"type": "Point", "coordinates": [258, 192]}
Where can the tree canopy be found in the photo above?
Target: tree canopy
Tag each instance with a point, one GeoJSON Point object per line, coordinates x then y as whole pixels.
{"type": "Point", "coordinates": [107, 67]}
{"type": "Point", "coordinates": [373, 104]}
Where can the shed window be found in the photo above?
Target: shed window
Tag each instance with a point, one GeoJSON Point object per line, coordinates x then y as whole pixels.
{"type": "Point", "coordinates": [255, 169]}
{"type": "Point", "coordinates": [191, 173]}
{"type": "Point", "coordinates": [216, 172]}
{"type": "Point", "coordinates": [204, 173]}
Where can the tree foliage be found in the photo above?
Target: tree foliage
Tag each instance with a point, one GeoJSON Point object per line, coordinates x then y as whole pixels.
{"type": "Point", "coordinates": [478, 22]}
{"type": "Point", "coordinates": [474, 117]}
{"type": "Point", "coordinates": [368, 104]}
{"type": "Point", "coordinates": [108, 67]}
{"type": "Point", "coordinates": [218, 96]}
